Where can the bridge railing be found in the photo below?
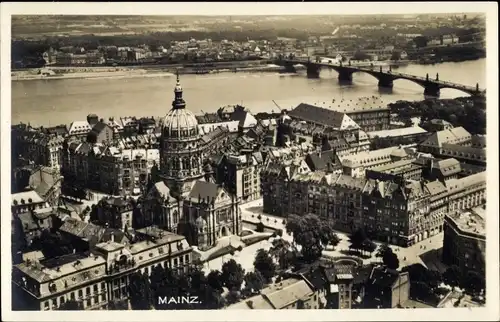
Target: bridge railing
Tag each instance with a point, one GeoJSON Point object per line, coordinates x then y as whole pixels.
{"type": "Point", "coordinates": [299, 60]}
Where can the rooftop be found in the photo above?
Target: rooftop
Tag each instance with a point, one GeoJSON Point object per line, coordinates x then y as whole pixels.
{"type": "Point", "coordinates": [362, 104]}
{"type": "Point", "coordinates": [368, 158]}
{"type": "Point", "coordinates": [384, 277]}
{"type": "Point", "coordinates": [286, 292]}
{"type": "Point", "coordinates": [51, 269]}
{"type": "Point", "coordinates": [26, 197]}
{"type": "Point", "coordinates": [323, 116]}
{"type": "Point", "coordinates": [395, 166]}
{"type": "Point", "coordinates": [470, 222]}
{"type": "Point", "coordinates": [413, 130]}
{"type": "Point", "coordinates": [455, 185]}
{"type": "Point", "coordinates": [454, 136]}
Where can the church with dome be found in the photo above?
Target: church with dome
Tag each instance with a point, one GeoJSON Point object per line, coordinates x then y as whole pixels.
{"type": "Point", "coordinates": [183, 197]}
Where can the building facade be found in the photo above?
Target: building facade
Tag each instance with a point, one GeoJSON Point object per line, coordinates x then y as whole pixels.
{"type": "Point", "coordinates": [98, 277]}
{"type": "Point", "coordinates": [241, 175]}
{"type": "Point", "coordinates": [37, 146]}
{"type": "Point", "coordinates": [114, 171]}
{"type": "Point", "coordinates": [392, 209]}
{"type": "Point", "coordinates": [464, 241]}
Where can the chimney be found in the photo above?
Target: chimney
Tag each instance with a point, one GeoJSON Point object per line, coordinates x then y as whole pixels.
{"type": "Point", "coordinates": [113, 237]}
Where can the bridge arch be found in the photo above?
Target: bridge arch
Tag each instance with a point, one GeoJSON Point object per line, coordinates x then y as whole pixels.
{"type": "Point", "coordinates": [463, 90]}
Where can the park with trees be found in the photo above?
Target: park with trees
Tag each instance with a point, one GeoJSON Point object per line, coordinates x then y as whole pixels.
{"type": "Point", "coordinates": [469, 112]}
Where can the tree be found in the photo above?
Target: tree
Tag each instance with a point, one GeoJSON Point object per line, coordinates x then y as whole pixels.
{"type": "Point", "coordinates": [214, 280]}
{"type": "Point", "coordinates": [140, 291]}
{"type": "Point", "coordinates": [197, 280]}
{"type": "Point", "coordinates": [283, 252]}
{"type": "Point", "coordinates": [260, 227]}
{"type": "Point", "coordinates": [264, 264]}
{"type": "Point", "coordinates": [232, 274]}
{"type": "Point", "coordinates": [54, 244]}
{"type": "Point", "coordinates": [311, 233]}
{"type": "Point", "coordinates": [383, 249]}
{"type": "Point", "coordinates": [421, 290]}
{"type": "Point", "coordinates": [419, 273]}
{"type": "Point", "coordinates": [71, 305]}
{"type": "Point", "coordinates": [164, 282]}
{"type": "Point", "coordinates": [368, 246]}
{"type": "Point", "coordinates": [359, 55]}
{"type": "Point", "coordinates": [396, 55]}
{"type": "Point", "coordinates": [213, 299]}
{"type": "Point", "coordinates": [357, 239]}
{"type": "Point", "coordinates": [474, 282]}
{"type": "Point", "coordinates": [334, 240]}
{"type": "Point", "coordinates": [117, 305]}
{"type": "Point", "coordinates": [390, 260]}
{"type": "Point", "coordinates": [452, 276]}
{"type": "Point", "coordinates": [254, 282]}
{"type": "Point", "coordinates": [209, 297]}
{"type": "Point", "coordinates": [420, 41]}
{"type": "Point", "coordinates": [233, 296]}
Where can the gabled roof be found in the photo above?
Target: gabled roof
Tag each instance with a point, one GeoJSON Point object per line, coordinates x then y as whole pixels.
{"type": "Point", "coordinates": [204, 190]}
{"type": "Point", "coordinates": [286, 292]}
{"type": "Point", "coordinates": [455, 136]}
{"type": "Point", "coordinates": [162, 189]}
{"type": "Point", "coordinates": [456, 185]}
{"type": "Point", "coordinates": [435, 187]}
{"type": "Point", "coordinates": [26, 196]}
{"type": "Point", "coordinates": [412, 130]}
{"type": "Point", "coordinates": [79, 127]}
{"type": "Point", "coordinates": [322, 116]}
{"type": "Point", "coordinates": [348, 181]}
{"type": "Point", "coordinates": [247, 121]}
{"type": "Point", "coordinates": [448, 167]}
{"type": "Point", "coordinates": [368, 158]}
{"type": "Point", "coordinates": [99, 127]}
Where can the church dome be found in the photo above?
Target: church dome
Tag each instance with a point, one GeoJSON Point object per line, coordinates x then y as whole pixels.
{"type": "Point", "coordinates": [179, 122]}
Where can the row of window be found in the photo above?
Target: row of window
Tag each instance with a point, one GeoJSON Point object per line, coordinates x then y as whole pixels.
{"type": "Point", "coordinates": [88, 295]}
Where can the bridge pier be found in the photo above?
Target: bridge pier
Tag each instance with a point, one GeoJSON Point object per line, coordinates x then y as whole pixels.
{"type": "Point", "coordinates": [345, 77]}
{"type": "Point", "coordinates": [432, 90]}
{"type": "Point", "coordinates": [313, 70]}
{"type": "Point", "coordinates": [290, 68]}
{"type": "Point", "coordinates": [386, 82]}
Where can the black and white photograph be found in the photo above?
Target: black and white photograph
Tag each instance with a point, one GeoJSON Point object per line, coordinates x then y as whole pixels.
{"type": "Point", "coordinates": [243, 158]}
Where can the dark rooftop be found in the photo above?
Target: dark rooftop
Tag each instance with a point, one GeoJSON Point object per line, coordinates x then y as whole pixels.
{"type": "Point", "coordinates": [58, 261]}
{"type": "Point", "coordinates": [384, 277]}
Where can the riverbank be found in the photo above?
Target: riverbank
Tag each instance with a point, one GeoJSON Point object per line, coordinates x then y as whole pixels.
{"type": "Point", "coordinates": [58, 73]}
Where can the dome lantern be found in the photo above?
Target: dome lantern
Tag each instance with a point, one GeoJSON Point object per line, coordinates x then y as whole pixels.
{"type": "Point", "coordinates": [178, 102]}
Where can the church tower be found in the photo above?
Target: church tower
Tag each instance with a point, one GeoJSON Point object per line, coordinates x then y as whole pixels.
{"type": "Point", "coordinates": [181, 153]}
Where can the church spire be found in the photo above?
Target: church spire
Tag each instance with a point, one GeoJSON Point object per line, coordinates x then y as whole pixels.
{"type": "Point", "coordinates": [178, 102]}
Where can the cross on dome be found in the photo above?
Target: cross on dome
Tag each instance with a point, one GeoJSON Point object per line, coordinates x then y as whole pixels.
{"type": "Point", "coordinates": [178, 87]}
{"type": "Point", "coordinates": [178, 102]}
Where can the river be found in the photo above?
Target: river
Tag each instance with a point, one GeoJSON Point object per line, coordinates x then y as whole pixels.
{"type": "Point", "coordinates": [51, 102]}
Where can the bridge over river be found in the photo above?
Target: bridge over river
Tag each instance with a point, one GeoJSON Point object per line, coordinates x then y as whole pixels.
{"type": "Point", "coordinates": [386, 78]}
